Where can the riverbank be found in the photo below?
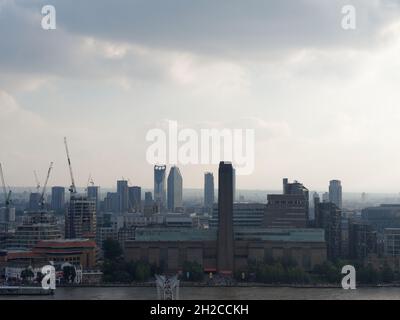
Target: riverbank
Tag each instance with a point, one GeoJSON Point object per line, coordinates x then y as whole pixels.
{"type": "Point", "coordinates": [218, 293]}
{"type": "Point", "coordinates": [235, 285]}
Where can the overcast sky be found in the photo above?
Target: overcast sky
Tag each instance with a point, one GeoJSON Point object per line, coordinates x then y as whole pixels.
{"type": "Point", "coordinates": [324, 102]}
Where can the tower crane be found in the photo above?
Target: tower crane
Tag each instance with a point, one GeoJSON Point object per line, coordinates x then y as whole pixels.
{"type": "Point", "coordinates": [89, 182]}
{"type": "Point", "coordinates": [37, 181]}
{"type": "Point", "coordinates": [41, 201]}
{"type": "Point", "coordinates": [7, 195]}
{"type": "Point", "coordinates": [72, 188]}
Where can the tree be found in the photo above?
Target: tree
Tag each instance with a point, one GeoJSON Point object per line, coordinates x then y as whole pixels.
{"type": "Point", "coordinates": [367, 275]}
{"type": "Point", "coordinates": [194, 270]}
{"type": "Point", "coordinates": [387, 274]}
{"type": "Point", "coordinates": [142, 272]}
{"type": "Point", "coordinates": [112, 249]}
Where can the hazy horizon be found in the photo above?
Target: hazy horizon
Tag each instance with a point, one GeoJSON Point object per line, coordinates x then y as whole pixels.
{"type": "Point", "coordinates": [323, 101]}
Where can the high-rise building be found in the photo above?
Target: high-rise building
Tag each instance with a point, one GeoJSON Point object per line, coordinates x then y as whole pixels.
{"type": "Point", "coordinates": [329, 217]}
{"type": "Point", "coordinates": [122, 190]}
{"type": "Point", "coordinates": [297, 188]}
{"type": "Point", "coordinates": [362, 240]}
{"type": "Point", "coordinates": [325, 197]}
{"type": "Point", "coordinates": [111, 202]}
{"type": "Point", "coordinates": [34, 201]}
{"type": "Point", "coordinates": [93, 193]}
{"type": "Point", "coordinates": [225, 238]}
{"type": "Point", "coordinates": [234, 184]}
{"type": "Point", "coordinates": [335, 193]}
{"type": "Point", "coordinates": [148, 199]}
{"type": "Point", "coordinates": [149, 207]}
{"type": "Point", "coordinates": [80, 220]}
{"type": "Point", "coordinates": [135, 198]}
{"type": "Point", "coordinates": [316, 200]}
{"type": "Point", "coordinates": [159, 187]}
{"type": "Point", "coordinates": [58, 198]}
{"type": "Point", "coordinates": [208, 192]}
{"type": "Point", "coordinates": [175, 190]}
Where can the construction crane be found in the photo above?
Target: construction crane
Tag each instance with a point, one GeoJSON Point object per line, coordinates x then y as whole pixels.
{"type": "Point", "coordinates": [72, 188]}
{"type": "Point", "coordinates": [90, 181]}
{"type": "Point", "coordinates": [7, 195]}
{"type": "Point", "coordinates": [41, 202]}
{"type": "Point", "coordinates": [37, 181]}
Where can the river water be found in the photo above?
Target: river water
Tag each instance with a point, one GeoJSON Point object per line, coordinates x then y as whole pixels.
{"type": "Point", "coordinates": [219, 293]}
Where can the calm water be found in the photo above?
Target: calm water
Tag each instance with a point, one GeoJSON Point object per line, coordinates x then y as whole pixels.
{"type": "Point", "coordinates": [147, 293]}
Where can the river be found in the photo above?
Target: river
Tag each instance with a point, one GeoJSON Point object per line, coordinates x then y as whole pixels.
{"type": "Point", "coordinates": [219, 293]}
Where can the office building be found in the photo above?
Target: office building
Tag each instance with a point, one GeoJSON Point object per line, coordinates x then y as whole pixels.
{"type": "Point", "coordinates": [122, 191]}
{"type": "Point", "coordinates": [175, 190]}
{"type": "Point", "coordinates": [111, 202]}
{"type": "Point", "coordinates": [391, 242]}
{"type": "Point", "coordinates": [362, 240]}
{"type": "Point", "coordinates": [286, 211]}
{"type": "Point", "coordinates": [58, 199]}
{"type": "Point", "coordinates": [335, 193]}
{"type": "Point", "coordinates": [93, 194]}
{"type": "Point", "coordinates": [297, 188]}
{"type": "Point", "coordinates": [245, 215]}
{"type": "Point", "coordinates": [149, 206]}
{"type": "Point", "coordinates": [208, 192]}
{"type": "Point", "coordinates": [329, 217]}
{"type": "Point", "coordinates": [34, 201]}
{"type": "Point", "coordinates": [159, 188]}
{"type": "Point", "coordinates": [135, 199]}
{"type": "Point", "coordinates": [80, 219]}
{"type": "Point", "coordinates": [382, 217]}
{"type": "Point", "coordinates": [225, 242]}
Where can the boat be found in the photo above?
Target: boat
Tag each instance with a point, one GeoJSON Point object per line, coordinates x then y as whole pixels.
{"type": "Point", "coordinates": [21, 290]}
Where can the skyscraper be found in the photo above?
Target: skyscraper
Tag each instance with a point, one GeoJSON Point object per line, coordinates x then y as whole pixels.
{"type": "Point", "coordinates": [148, 199]}
{"type": "Point", "coordinates": [329, 217]}
{"type": "Point", "coordinates": [111, 202]}
{"type": "Point", "coordinates": [58, 198]}
{"type": "Point", "coordinates": [80, 219]}
{"type": "Point", "coordinates": [175, 189]}
{"type": "Point", "coordinates": [335, 193]}
{"type": "Point", "coordinates": [148, 208]}
{"type": "Point", "coordinates": [225, 242]}
{"type": "Point", "coordinates": [208, 192]}
{"type": "Point", "coordinates": [93, 193]}
{"type": "Point", "coordinates": [159, 187]}
{"type": "Point", "coordinates": [135, 198]}
{"type": "Point", "coordinates": [122, 190]}
{"type": "Point", "coordinates": [34, 199]}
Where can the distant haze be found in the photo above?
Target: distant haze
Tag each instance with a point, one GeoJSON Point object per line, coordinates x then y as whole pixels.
{"type": "Point", "coordinates": [323, 101]}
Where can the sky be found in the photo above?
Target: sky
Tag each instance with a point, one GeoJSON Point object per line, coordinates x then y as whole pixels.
{"type": "Point", "coordinates": [323, 101]}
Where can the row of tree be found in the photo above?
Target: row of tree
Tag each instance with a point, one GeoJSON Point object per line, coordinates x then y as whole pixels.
{"type": "Point", "coordinates": [117, 270]}
{"type": "Point", "coordinates": [365, 274]}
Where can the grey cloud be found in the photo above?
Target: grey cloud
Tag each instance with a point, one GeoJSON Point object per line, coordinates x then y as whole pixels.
{"type": "Point", "coordinates": [230, 27]}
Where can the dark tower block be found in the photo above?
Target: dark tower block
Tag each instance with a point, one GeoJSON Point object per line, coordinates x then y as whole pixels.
{"type": "Point", "coordinates": [225, 226]}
